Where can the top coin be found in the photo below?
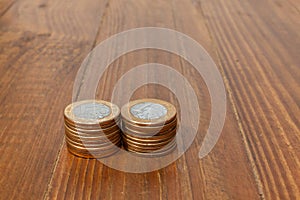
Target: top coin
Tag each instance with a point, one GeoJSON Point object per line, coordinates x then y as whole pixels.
{"type": "Point", "coordinates": [91, 112]}
{"type": "Point", "coordinates": [148, 112]}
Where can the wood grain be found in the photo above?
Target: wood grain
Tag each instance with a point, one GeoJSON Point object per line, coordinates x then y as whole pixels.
{"type": "Point", "coordinates": [255, 45]}
{"type": "Point", "coordinates": [37, 71]}
{"type": "Point", "coordinates": [5, 5]}
{"type": "Point", "coordinates": [261, 66]}
{"type": "Point", "coordinates": [187, 178]}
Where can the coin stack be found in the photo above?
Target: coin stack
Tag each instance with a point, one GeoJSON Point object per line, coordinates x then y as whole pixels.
{"type": "Point", "coordinates": [149, 127]}
{"type": "Point", "coordinates": [92, 128]}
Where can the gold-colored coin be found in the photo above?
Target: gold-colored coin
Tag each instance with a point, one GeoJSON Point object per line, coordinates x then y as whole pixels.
{"type": "Point", "coordinates": [100, 139]}
{"type": "Point", "coordinates": [94, 155]}
{"type": "Point", "coordinates": [137, 134]}
{"type": "Point", "coordinates": [149, 130]}
{"type": "Point", "coordinates": [93, 143]}
{"type": "Point", "coordinates": [91, 113]}
{"type": "Point", "coordinates": [93, 149]}
{"type": "Point", "coordinates": [157, 153]}
{"type": "Point", "coordinates": [148, 112]}
{"type": "Point", "coordinates": [149, 127]}
{"type": "Point", "coordinates": [83, 132]}
{"type": "Point", "coordinates": [92, 128]}
{"type": "Point", "coordinates": [148, 146]}
{"type": "Point", "coordinates": [155, 138]}
{"type": "Point", "coordinates": [89, 127]}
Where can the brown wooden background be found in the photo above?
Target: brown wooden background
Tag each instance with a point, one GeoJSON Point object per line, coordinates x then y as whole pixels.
{"type": "Point", "coordinates": [256, 45]}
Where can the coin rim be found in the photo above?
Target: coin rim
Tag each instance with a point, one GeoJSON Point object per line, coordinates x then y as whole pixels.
{"type": "Point", "coordinates": [126, 114]}
{"type": "Point", "coordinates": [147, 145]}
{"type": "Point", "coordinates": [93, 137]}
{"type": "Point", "coordinates": [91, 156]}
{"type": "Point", "coordinates": [106, 131]}
{"type": "Point", "coordinates": [93, 144]}
{"type": "Point", "coordinates": [149, 130]}
{"type": "Point", "coordinates": [68, 113]}
{"type": "Point", "coordinates": [169, 134]}
{"type": "Point", "coordinates": [145, 134]}
{"type": "Point", "coordinates": [154, 153]}
{"type": "Point", "coordinates": [92, 127]}
{"type": "Point", "coordinates": [90, 149]}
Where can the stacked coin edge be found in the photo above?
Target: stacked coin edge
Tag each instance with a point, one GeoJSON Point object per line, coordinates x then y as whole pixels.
{"type": "Point", "coordinates": [92, 138]}
{"type": "Point", "coordinates": [149, 137]}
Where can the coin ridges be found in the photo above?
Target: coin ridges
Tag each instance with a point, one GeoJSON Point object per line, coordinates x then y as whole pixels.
{"type": "Point", "coordinates": [149, 127]}
{"type": "Point", "coordinates": [92, 128]}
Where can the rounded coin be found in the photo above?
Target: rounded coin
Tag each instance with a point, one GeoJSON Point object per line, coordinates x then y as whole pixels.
{"type": "Point", "coordinates": [91, 112]}
{"type": "Point", "coordinates": [148, 112]}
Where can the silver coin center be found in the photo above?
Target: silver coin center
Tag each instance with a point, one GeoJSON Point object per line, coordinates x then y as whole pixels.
{"type": "Point", "coordinates": [148, 110]}
{"type": "Point", "coordinates": [91, 111]}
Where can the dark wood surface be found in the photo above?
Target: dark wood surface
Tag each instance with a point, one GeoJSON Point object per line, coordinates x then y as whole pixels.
{"type": "Point", "coordinates": [255, 45]}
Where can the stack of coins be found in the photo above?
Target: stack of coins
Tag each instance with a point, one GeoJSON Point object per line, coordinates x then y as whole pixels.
{"type": "Point", "coordinates": [149, 127]}
{"type": "Point", "coordinates": [92, 128]}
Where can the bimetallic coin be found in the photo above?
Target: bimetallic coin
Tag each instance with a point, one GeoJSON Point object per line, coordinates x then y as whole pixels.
{"type": "Point", "coordinates": [148, 112]}
{"type": "Point", "coordinates": [91, 112]}
{"type": "Point", "coordinates": [149, 127]}
{"type": "Point", "coordinates": [92, 128]}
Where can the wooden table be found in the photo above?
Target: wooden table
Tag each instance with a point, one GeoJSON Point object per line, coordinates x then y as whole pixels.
{"type": "Point", "coordinates": [256, 46]}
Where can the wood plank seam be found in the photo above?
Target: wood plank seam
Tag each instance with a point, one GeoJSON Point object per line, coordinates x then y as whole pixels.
{"type": "Point", "coordinates": [94, 42]}
{"type": "Point", "coordinates": [228, 46]}
{"type": "Point", "coordinates": [7, 8]}
{"type": "Point", "coordinates": [46, 194]}
{"type": "Point", "coordinates": [249, 139]}
{"type": "Point", "coordinates": [267, 104]}
{"type": "Point", "coordinates": [202, 173]}
{"type": "Point", "coordinates": [237, 95]}
{"type": "Point", "coordinates": [225, 174]}
{"type": "Point", "coordinates": [182, 68]}
{"type": "Point", "coordinates": [234, 107]}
